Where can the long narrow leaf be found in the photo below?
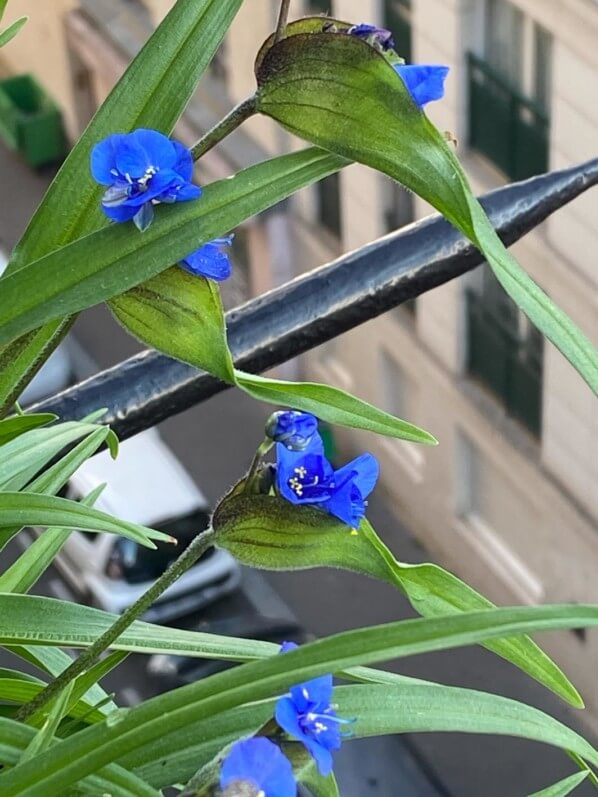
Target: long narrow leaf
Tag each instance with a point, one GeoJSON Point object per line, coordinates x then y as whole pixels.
{"type": "Point", "coordinates": [332, 405]}
{"type": "Point", "coordinates": [113, 780]}
{"type": "Point", "coordinates": [58, 474]}
{"type": "Point", "coordinates": [18, 424]}
{"type": "Point", "coordinates": [98, 745]}
{"type": "Point", "coordinates": [563, 787]}
{"type": "Point", "coordinates": [108, 262]}
{"type": "Point", "coordinates": [31, 509]}
{"type": "Point", "coordinates": [268, 532]}
{"type": "Point", "coordinates": [53, 660]}
{"type": "Point", "coordinates": [45, 735]}
{"type": "Point", "coordinates": [152, 93]}
{"type": "Point", "coordinates": [37, 557]}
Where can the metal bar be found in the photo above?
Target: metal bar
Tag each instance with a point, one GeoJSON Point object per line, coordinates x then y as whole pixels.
{"type": "Point", "coordinates": [318, 306]}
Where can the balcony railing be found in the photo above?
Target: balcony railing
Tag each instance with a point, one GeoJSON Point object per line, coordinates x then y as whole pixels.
{"type": "Point", "coordinates": [509, 366]}
{"type": "Point", "coordinates": [318, 306]}
{"type": "Point", "coordinates": [509, 129]}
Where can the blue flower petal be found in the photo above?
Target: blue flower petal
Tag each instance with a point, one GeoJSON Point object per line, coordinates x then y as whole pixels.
{"type": "Point", "coordinates": [131, 158]}
{"type": "Point", "coordinates": [103, 159]}
{"type": "Point", "coordinates": [159, 149]}
{"type": "Point", "coordinates": [183, 164]}
{"type": "Point", "coordinates": [321, 755]}
{"type": "Point", "coordinates": [287, 646]}
{"type": "Point", "coordinates": [424, 82]}
{"type": "Point", "coordinates": [287, 716]}
{"type": "Point", "coordinates": [183, 192]}
{"type": "Point", "coordinates": [120, 213]}
{"type": "Point", "coordinates": [318, 690]}
{"type": "Point", "coordinates": [342, 505]}
{"type": "Point", "coordinates": [210, 260]}
{"type": "Point", "coordinates": [316, 466]}
{"type": "Point", "coordinates": [365, 471]}
{"type": "Point", "coordinates": [260, 762]}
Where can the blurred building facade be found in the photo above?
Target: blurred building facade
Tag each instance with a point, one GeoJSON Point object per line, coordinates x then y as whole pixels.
{"type": "Point", "coordinates": [509, 499]}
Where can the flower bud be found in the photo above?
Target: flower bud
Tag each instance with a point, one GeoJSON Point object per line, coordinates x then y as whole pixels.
{"type": "Point", "coordinates": [292, 428]}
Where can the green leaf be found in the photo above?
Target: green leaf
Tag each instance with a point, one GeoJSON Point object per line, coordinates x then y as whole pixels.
{"type": "Point", "coordinates": [114, 780]}
{"type": "Point", "coordinates": [341, 94]}
{"type": "Point", "coordinates": [18, 424]}
{"type": "Point", "coordinates": [37, 557]}
{"type": "Point", "coordinates": [58, 474]}
{"type": "Point", "coordinates": [22, 359]}
{"type": "Point", "coordinates": [26, 455]}
{"type": "Point", "coordinates": [180, 315]}
{"type": "Point", "coordinates": [332, 405]}
{"type": "Point", "coordinates": [9, 33]}
{"type": "Point", "coordinates": [44, 738]}
{"type": "Point", "coordinates": [378, 710]}
{"type": "Point", "coordinates": [86, 752]}
{"type": "Point", "coordinates": [270, 533]}
{"type": "Point", "coordinates": [90, 678]}
{"type": "Point", "coordinates": [105, 263]}
{"type": "Point", "coordinates": [306, 771]}
{"type": "Point", "coordinates": [152, 93]}
{"type": "Point", "coordinates": [31, 509]}
{"type": "Point", "coordinates": [53, 661]}
{"type": "Point", "coordinates": [3, 4]}
{"type": "Point", "coordinates": [21, 689]}
{"type": "Point", "coordinates": [563, 787]}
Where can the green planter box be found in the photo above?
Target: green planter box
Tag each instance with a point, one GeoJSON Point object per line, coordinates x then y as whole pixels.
{"type": "Point", "coordinates": [30, 121]}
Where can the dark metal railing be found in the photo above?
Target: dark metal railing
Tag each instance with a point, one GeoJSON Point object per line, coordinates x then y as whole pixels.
{"type": "Point", "coordinates": [318, 306]}
{"type": "Point", "coordinates": [508, 128]}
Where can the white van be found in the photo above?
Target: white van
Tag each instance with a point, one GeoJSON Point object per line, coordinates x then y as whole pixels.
{"type": "Point", "coordinates": [146, 484]}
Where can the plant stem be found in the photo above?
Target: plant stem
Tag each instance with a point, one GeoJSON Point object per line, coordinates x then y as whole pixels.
{"type": "Point", "coordinates": [282, 20]}
{"type": "Point", "coordinates": [261, 452]}
{"type": "Point", "coordinates": [226, 126]}
{"type": "Point", "coordinates": [188, 558]}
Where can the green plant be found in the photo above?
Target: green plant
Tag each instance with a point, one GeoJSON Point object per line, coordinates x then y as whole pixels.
{"type": "Point", "coordinates": [62, 734]}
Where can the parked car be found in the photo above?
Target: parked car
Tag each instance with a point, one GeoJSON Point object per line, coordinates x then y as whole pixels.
{"type": "Point", "coordinates": [146, 484]}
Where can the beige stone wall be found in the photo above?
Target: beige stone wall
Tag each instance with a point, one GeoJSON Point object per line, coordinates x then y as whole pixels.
{"type": "Point", "coordinates": [542, 497]}
{"type": "Point", "coordinates": [40, 48]}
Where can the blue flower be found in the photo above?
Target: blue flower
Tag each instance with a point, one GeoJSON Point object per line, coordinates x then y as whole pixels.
{"type": "Point", "coordinates": [424, 83]}
{"type": "Point", "coordinates": [374, 35]}
{"type": "Point", "coordinates": [306, 477]}
{"type": "Point", "coordinates": [257, 768]}
{"type": "Point", "coordinates": [140, 169]}
{"type": "Point", "coordinates": [292, 428]}
{"type": "Point", "coordinates": [211, 260]}
{"type": "Point", "coordinates": [307, 715]}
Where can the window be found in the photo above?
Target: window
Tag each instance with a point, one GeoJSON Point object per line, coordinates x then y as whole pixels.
{"type": "Point", "coordinates": [398, 205]}
{"type": "Point", "coordinates": [509, 92]}
{"type": "Point", "coordinates": [328, 204]}
{"type": "Point", "coordinates": [397, 18]}
{"type": "Point", "coordinates": [398, 396]}
{"type": "Point", "coordinates": [395, 386]}
{"type": "Point", "coordinates": [320, 7]}
{"type": "Point", "coordinates": [504, 350]}
{"type": "Point", "coordinates": [486, 505]}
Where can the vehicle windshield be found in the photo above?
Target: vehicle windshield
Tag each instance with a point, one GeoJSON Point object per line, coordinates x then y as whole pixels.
{"type": "Point", "coordinates": [137, 564]}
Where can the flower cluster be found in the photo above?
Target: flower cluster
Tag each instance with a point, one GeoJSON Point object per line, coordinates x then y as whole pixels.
{"type": "Point", "coordinates": [425, 83]}
{"type": "Point", "coordinates": [305, 476]}
{"type": "Point", "coordinates": [145, 168]}
{"type": "Point", "coordinates": [257, 768]}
